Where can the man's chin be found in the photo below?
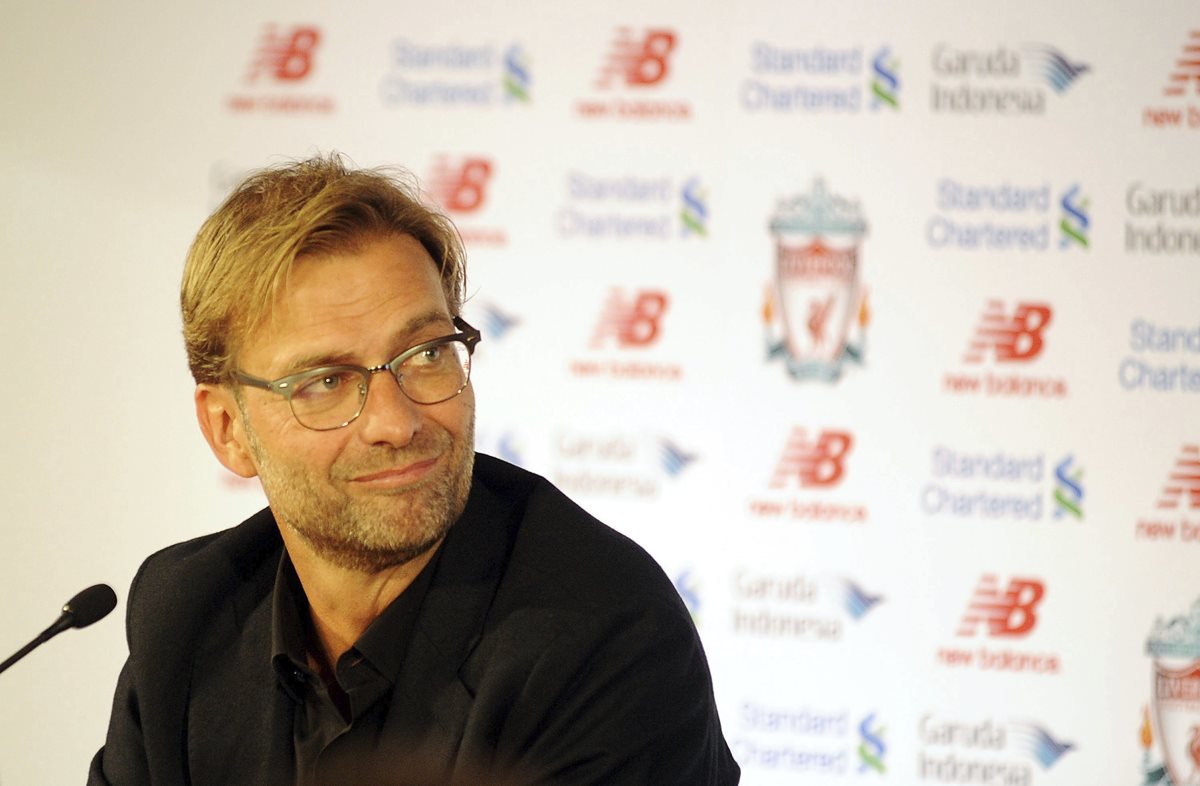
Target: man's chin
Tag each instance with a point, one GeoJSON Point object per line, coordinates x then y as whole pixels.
{"type": "Point", "coordinates": [373, 555]}
{"type": "Point", "coordinates": [373, 528]}
{"type": "Point", "coordinates": [381, 560]}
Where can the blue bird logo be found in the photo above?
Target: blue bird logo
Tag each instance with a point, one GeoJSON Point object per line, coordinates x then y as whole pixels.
{"type": "Point", "coordinates": [496, 323]}
{"type": "Point", "coordinates": [1040, 745]}
{"type": "Point", "coordinates": [674, 459]}
{"type": "Point", "coordinates": [858, 602]}
{"type": "Point", "coordinates": [1059, 72]}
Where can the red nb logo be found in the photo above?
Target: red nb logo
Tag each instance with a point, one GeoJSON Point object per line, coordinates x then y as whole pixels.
{"type": "Point", "coordinates": [809, 463]}
{"type": "Point", "coordinates": [1184, 480]}
{"type": "Point", "coordinates": [1006, 613]}
{"type": "Point", "coordinates": [1013, 338]}
{"type": "Point", "coordinates": [461, 186]}
{"type": "Point", "coordinates": [634, 322]}
{"type": "Point", "coordinates": [1187, 67]}
{"type": "Point", "coordinates": [286, 56]}
{"type": "Point", "coordinates": [637, 61]}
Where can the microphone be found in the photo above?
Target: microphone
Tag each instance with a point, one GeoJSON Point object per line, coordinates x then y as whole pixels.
{"type": "Point", "coordinates": [91, 605]}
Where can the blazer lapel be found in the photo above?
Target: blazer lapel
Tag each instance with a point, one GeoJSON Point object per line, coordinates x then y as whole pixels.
{"type": "Point", "coordinates": [239, 717]}
{"type": "Point", "coordinates": [239, 720]}
{"type": "Point", "coordinates": [432, 702]}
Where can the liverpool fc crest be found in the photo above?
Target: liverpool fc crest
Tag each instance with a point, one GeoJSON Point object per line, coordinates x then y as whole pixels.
{"type": "Point", "coordinates": [816, 308]}
{"type": "Point", "coordinates": [1173, 718]}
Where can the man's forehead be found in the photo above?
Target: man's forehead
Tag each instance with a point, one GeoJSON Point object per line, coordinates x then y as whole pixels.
{"type": "Point", "coordinates": [396, 337]}
{"type": "Point", "coordinates": [393, 267]}
{"type": "Point", "coordinates": [381, 292]}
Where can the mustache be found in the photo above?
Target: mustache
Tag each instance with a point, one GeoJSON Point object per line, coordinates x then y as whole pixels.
{"type": "Point", "coordinates": [425, 444]}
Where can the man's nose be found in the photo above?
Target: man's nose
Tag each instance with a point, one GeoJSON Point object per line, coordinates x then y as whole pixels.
{"type": "Point", "coordinates": [388, 416]}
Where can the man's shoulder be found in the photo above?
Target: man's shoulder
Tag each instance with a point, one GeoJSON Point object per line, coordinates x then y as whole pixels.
{"type": "Point", "coordinates": [239, 549]}
{"type": "Point", "coordinates": [588, 661]}
{"type": "Point", "coordinates": [183, 581]}
{"type": "Point", "coordinates": [562, 555]}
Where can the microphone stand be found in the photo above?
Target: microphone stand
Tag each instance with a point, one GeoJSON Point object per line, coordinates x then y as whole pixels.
{"type": "Point", "coordinates": [61, 624]}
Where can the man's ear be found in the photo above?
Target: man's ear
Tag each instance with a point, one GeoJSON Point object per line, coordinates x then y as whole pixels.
{"type": "Point", "coordinates": [221, 423]}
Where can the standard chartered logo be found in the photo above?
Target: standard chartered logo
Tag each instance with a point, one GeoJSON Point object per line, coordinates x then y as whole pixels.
{"type": "Point", "coordinates": [885, 82]}
{"type": "Point", "coordinates": [1075, 220]}
{"type": "Point", "coordinates": [1007, 216]}
{"type": "Point", "coordinates": [872, 749]}
{"type": "Point", "coordinates": [516, 74]}
{"type": "Point", "coordinates": [1165, 358]}
{"type": "Point", "coordinates": [1068, 493]}
{"type": "Point", "coordinates": [1001, 486]}
{"type": "Point", "coordinates": [694, 213]}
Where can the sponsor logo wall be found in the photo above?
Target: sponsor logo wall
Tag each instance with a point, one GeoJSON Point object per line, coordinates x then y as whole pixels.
{"type": "Point", "coordinates": [881, 334]}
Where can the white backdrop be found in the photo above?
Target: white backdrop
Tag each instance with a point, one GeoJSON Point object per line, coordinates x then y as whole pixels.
{"type": "Point", "coordinates": [945, 564]}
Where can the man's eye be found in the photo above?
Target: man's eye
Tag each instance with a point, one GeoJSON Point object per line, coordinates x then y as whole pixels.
{"type": "Point", "coordinates": [324, 385]}
{"type": "Point", "coordinates": [430, 355]}
{"type": "Point", "coordinates": [426, 358]}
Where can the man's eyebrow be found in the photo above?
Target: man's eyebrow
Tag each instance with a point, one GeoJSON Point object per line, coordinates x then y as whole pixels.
{"type": "Point", "coordinates": [418, 323]}
{"type": "Point", "coordinates": [303, 363]}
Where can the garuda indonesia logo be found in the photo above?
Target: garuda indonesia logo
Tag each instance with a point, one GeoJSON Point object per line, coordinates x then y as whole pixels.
{"type": "Point", "coordinates": [816, 308]}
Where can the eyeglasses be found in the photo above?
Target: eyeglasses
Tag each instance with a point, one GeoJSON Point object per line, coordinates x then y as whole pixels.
{"type": "Point", "coordinates": [331, 397]}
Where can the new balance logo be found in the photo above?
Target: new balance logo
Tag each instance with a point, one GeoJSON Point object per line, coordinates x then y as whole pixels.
{"type": "Point", "coordinates": [1010, 612]}
{"type": "Point", "coordinates": [1014, 338]}
{"type": "Point", "coordinates": [633, 322]}
{"type": "Point", "coordinates": [813, 463]}
{"type": "Point", "coordinates": [1187, 68]}
{"type": "Point", "coordinates": [1184, 481]}
{"type": "Point", "coordinates": [460, 186]}
{"type": "Point", "coordinates": [284, 56]}
{"type": "Point", "coordinates": [638, 62]}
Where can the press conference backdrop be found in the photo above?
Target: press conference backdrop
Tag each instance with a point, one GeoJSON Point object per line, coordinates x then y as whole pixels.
{"type": "Point", "coordinates": [875, 323]}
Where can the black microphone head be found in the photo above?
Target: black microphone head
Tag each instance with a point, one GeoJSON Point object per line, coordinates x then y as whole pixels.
{"type": "Point", "coordinates": [90, 605]}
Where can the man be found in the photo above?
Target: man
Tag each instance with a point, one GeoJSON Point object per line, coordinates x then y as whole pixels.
{"type": "Point", "coordinates": [404, 611]}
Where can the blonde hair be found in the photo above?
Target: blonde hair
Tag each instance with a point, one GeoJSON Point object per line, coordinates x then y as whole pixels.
{"type": "Point", "coordinates": [242, 255]}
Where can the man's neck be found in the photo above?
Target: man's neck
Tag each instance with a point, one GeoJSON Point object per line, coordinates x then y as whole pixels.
{"type": "Point", "coordinates": [343, 602]}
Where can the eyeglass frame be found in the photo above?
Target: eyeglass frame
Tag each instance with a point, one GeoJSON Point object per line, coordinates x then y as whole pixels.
{"type": "Point", "coordinates": [282, 386]}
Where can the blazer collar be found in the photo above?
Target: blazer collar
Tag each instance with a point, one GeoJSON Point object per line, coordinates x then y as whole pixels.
{"type": "Point", "coordinates": [430, 688]}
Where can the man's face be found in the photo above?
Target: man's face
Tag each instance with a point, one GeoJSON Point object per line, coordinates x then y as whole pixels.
{"type": "Point", "coordinates": [387, 487]}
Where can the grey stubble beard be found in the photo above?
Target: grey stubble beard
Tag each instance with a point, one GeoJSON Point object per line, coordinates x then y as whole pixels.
{"type": "Point", "coordinates": [371, 534]}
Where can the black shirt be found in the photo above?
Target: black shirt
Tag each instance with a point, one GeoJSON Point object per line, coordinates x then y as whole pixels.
{"type": "Point", "coordinates": [322, 735]}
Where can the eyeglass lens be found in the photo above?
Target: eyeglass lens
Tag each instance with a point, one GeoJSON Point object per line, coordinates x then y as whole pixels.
{"type": "Point", "coordinates": [332, 397]}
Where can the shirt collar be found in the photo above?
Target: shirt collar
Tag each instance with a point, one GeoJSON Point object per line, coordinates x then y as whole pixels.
{"type": "Point", "coordinates": [287, 630]}
{"type": "Point", "coordinates": [382, 644]}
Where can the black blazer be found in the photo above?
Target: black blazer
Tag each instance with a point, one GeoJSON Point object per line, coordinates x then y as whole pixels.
{"type": "Point", "coordinates": [548, 649]}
